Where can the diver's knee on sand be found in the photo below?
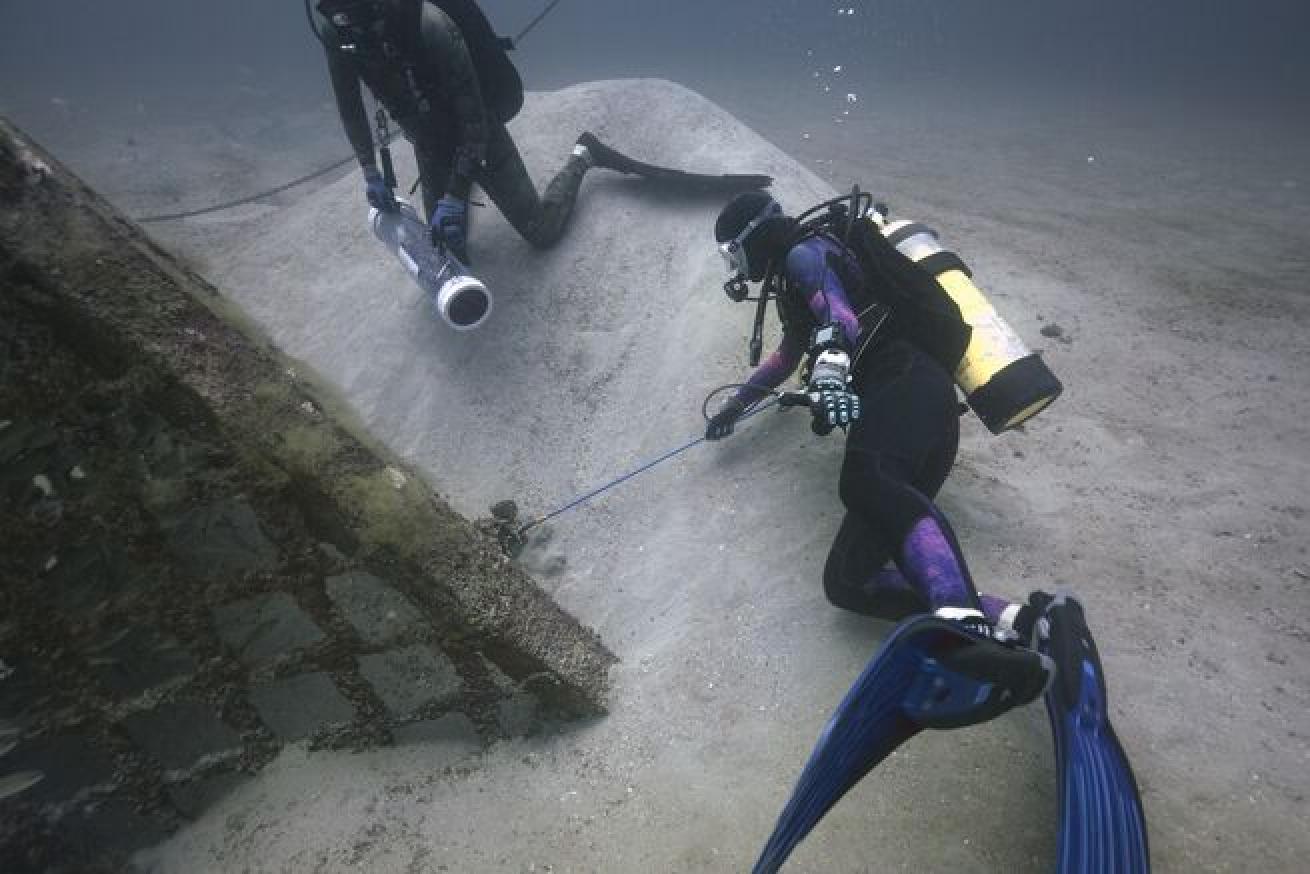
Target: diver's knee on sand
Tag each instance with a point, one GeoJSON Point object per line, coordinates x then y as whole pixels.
{"type": "Point", "coordinates": [846, 594]}
{"type": "Point", "coordinates": [550, 219]}
{"type": "Point", "coordinates": [869, 598]}
{"type": "Point", "coordinates": [856, 569]}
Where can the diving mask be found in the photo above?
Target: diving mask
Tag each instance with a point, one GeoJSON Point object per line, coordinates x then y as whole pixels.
{"type": "Point", "coordinates": [734, 251]}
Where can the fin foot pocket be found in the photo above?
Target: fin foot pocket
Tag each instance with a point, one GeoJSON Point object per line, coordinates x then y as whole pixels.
{"type": "Point", "coordinates": [974, 680]}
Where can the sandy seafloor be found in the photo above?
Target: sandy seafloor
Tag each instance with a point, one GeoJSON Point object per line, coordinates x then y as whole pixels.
{"type": "Point", "coordinates": [1169, 487]}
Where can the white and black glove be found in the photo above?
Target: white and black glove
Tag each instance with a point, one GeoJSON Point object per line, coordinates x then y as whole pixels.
{"type": "Point", "coordinates": [832, 404]}
{"type": "Point", "coordinates": [835, 408]}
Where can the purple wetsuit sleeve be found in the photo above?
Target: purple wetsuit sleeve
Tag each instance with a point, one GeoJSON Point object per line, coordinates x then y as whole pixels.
{"type": "Point", "coordinates": [774, 370]}
{"type": "Point", "coordinates": [807, 267]}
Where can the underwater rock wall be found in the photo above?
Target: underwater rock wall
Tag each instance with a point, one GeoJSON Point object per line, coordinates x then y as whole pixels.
{"type": "Point", "coordinates": [203, 560]}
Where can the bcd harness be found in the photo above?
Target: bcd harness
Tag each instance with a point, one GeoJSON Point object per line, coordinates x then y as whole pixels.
{"type": "Point", "coordinates": [886, 290]}
{"type": "Point", "coordinates": [389, 61]}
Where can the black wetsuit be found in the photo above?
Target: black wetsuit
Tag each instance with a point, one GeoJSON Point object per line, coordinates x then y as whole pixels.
{"type": "Point", "coordinates": [898, 453]}
{"type": "Point", "coordinates": [432, 81]}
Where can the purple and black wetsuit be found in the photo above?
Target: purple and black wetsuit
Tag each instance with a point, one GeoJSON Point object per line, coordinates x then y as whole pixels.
{"type": "Point", "coordinates": [898, 453]}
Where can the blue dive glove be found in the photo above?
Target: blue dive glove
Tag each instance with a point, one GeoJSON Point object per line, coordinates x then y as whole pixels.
{"type": "Point", "coordinates": [450, 223]}
{"type": "Point", "coordinates": [379, 195]}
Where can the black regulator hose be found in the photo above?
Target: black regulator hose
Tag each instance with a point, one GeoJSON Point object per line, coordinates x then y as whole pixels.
{"type": "Point", "coordinates": [309, 16]}
{"type": "Point", "coordinates": [764, 393]}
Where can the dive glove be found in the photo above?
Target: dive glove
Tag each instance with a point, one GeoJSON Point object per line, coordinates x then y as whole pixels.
{"type": "Point", "coordinates": [722, 422]}
{"type": "Point", "coordinates": [833, 405]}
{"type": "Point", "coordinates": [379, 196]}
{"type": "Point", "coordinates": [450, 222]}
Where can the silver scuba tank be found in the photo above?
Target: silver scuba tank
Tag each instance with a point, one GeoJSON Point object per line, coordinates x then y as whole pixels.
{"type": "Point", "coordinates": [459, 298]}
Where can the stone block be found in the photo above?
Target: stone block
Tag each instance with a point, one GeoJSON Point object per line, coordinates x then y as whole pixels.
{"type": "Point", "coordinates": [26, 438]}
{"type": "Point", "coordinates": [218, 540]}
{"type": "Point", "coordinates": [116, 826]}
{"type": "Point", "coordinates": [69, 763]}
{"type": "Point", "coordinates": [411, 677]}
{"type": "Point", "coordinates": [139, 660]}
{"type": "Point", "coordinates": [194, 797]}
{"type": "Point", "coordinates": [517, 714]}
{"type": "Point", "coordinates": [455, 733]}
{"type": "Point", "coordinates": [86, 576]}
{"type": "Point", "coordinates": [299, 706]}
{"type": "Point", "coordinates": [21, 692]}
{"type": "Point", "coordinates": [182, 733]}
{"type": "Point", "coordinates": [377, 612]}
{"type": "Point", "coordinates": [260, 629]}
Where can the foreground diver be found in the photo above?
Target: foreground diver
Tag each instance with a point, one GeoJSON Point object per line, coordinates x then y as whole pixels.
{"type": "Point", "coordinates": [443, 75]}
{"type": "Point", "coordinates": [878, 335]}
{"type": "Point", "coordinates": [881, 338]}
{"type": "Point", "coordinates": [914, 682]}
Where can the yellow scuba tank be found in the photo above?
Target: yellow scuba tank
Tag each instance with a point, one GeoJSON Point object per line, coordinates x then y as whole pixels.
{"type": "Point", "coordinates": [1005, 383]}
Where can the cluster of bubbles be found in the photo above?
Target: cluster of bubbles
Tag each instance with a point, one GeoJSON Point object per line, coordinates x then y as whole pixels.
{"type": "Point", "coordinates": [832, 79]}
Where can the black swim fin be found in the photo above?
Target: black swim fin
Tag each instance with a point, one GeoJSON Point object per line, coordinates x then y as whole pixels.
{"type": "Point", "coordinates": [611, 159]}
{"type": "Point", "coordinates": [1102, 824]}
{"type": "Point", "coordinates": [929, 673]}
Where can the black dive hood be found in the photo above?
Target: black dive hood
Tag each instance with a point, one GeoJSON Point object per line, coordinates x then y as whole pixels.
{"type": "Point", "coordinates": [355, 22]}
{"type": "Point", "coordinates": [836, 215]}
{"type": "Point", "coordinates": [352, 13]}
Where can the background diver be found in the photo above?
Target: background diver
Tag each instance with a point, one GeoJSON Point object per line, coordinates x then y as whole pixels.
{"type": "Point", "coordinates": [880, 338]}
{"type": "Point", "coordinates": [443, 75]}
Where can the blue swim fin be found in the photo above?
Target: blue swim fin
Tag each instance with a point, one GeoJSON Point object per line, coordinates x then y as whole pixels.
{"type": "Point", "coordinates": [1102, 825]}
{"type": "Point", "coordinates": [929, 673]}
